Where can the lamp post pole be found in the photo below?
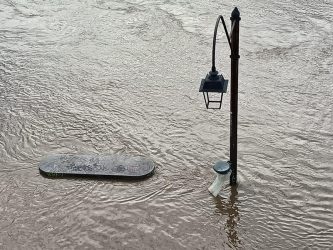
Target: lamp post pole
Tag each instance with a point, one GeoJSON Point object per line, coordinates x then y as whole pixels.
{"type": "Point", "coordinates": [235, 18]}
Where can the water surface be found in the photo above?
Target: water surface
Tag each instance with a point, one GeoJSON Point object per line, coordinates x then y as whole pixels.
{"type": "Point", "coordinates": [123, 77]}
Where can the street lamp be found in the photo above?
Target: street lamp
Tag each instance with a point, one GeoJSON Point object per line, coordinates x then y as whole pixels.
{"type": "Point", "coordinates": [214, 83]}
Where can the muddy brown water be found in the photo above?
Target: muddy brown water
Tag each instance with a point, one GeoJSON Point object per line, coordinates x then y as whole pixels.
{"type": "Point", "coordinates": [123, 77]}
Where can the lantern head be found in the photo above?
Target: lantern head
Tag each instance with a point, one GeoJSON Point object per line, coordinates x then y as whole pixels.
{"type": "Point", "coordinates": [213, 86]}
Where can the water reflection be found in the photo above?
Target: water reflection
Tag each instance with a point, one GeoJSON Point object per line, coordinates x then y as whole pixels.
{"type": "Point", "coordinates": [228, 206]}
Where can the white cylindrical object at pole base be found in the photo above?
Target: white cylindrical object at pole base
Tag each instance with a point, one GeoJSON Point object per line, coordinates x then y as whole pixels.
{"type": "Point", "coordinates": [223, 172]}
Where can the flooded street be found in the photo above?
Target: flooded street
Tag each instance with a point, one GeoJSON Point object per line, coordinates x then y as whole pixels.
{"type": "Point", "coordinates": [105, 77]}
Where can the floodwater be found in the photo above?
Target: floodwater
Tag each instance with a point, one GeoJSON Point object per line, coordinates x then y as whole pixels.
{"type": "Point", "coordinates": [122, 77]}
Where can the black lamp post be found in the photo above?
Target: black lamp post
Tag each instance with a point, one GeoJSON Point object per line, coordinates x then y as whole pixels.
{"type": "Point", "coordinates": [214, 83]}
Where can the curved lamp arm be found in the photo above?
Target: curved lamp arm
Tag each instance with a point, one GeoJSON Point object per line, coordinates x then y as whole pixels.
{"type": "Point", "coordinates": [220, 17]}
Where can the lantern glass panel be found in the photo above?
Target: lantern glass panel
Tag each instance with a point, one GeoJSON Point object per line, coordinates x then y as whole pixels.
{"type": "Point", "coordinates": [213, 100]}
